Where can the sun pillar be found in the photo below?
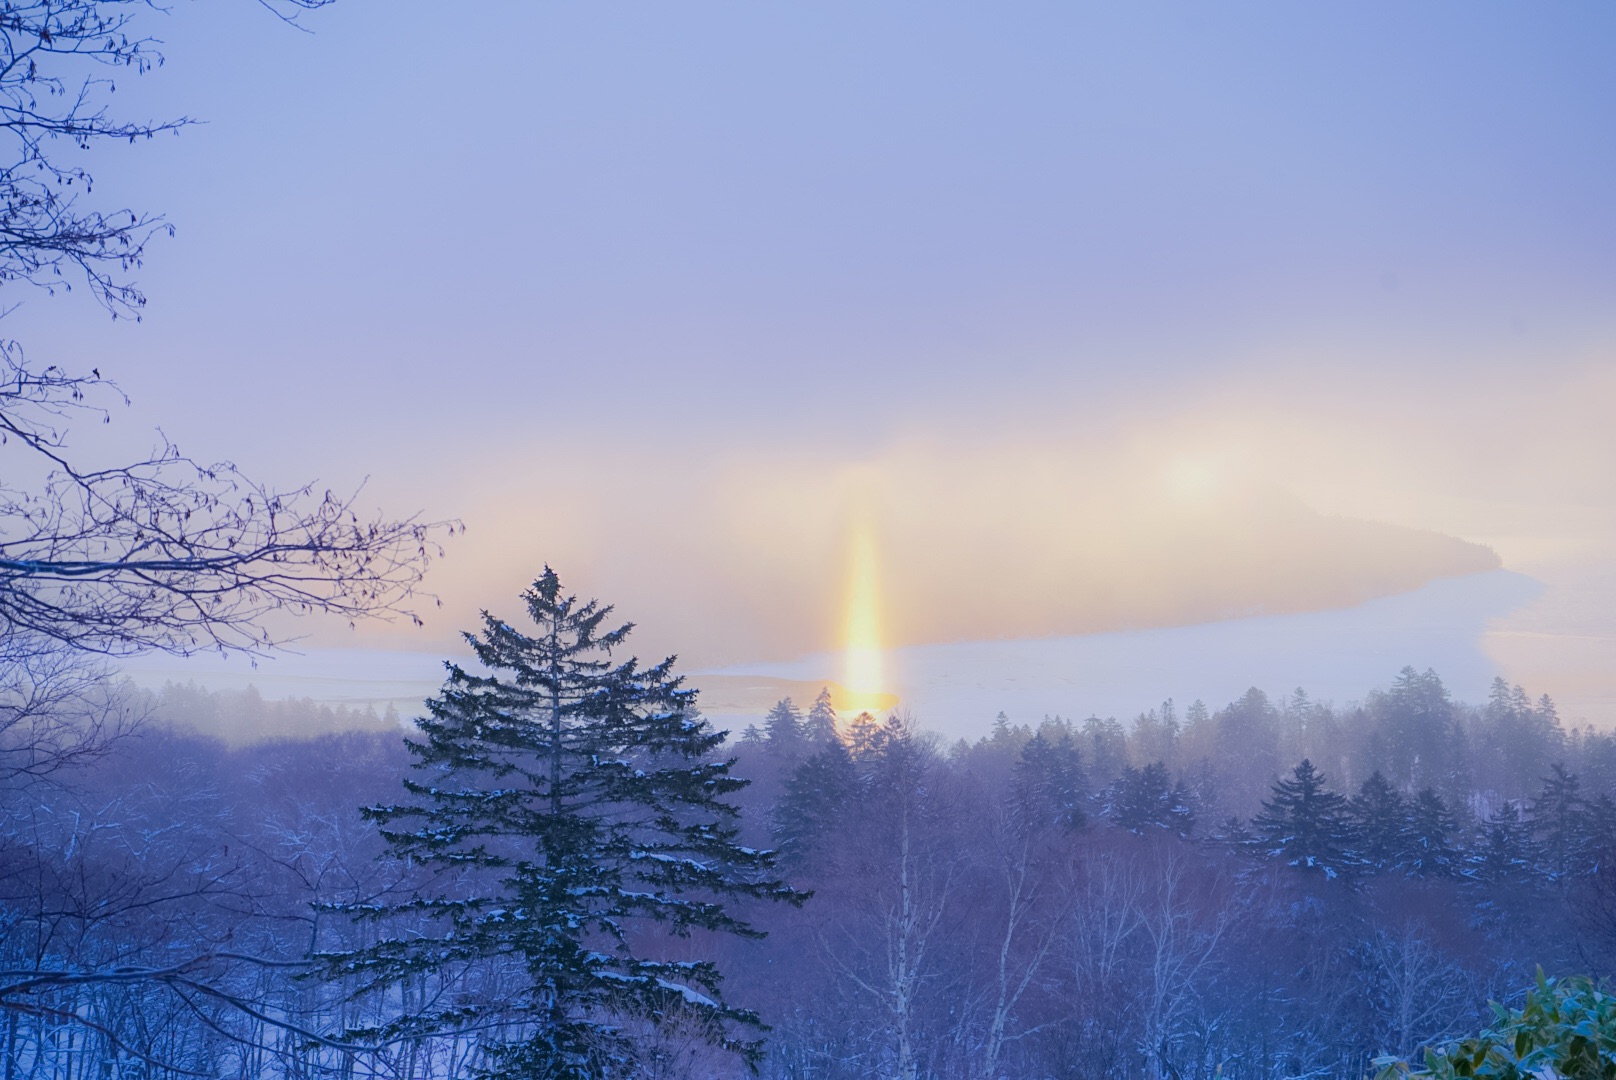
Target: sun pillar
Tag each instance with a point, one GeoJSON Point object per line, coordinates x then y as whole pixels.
{"type": "Point", "coordinates": [863, 675]}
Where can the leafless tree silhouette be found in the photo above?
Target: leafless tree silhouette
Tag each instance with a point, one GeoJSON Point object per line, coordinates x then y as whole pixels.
{"type": "Point", "coordinates": [168, 553]}
{"type": "Point", "coordinates": [103, 560]}
{"type": "Point", "coordinates": [59, 62]}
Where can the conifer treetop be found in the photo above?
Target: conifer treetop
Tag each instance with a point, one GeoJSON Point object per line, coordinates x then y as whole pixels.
{"type": "Point", "coordinates": [572, 814]}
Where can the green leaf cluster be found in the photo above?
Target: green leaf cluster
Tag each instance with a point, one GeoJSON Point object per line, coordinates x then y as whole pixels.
{"type": "Point", "coordinates": [1566, 1029]}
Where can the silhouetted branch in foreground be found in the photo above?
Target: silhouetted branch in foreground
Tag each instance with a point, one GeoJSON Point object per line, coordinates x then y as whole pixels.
{"type": "Point", "coordinates": [168, 553]}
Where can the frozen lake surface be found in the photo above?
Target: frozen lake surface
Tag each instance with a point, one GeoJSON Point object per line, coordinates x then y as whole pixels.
{"type": "Point", "coordinates": [1336, 656]}
{"type": "Point", "coordinates": [958, 688]}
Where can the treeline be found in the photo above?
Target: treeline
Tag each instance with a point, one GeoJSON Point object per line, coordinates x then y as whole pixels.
{"type": "Point", "coordinates": [241, 717]}
{"type": "Point", "coordinates": [1266, 889]}
{"type": "Point", "coordinates": [1495, 793]}
{"type": "Point", "coordinates": [1412, 733]}
{"type": "Point", "coordinates": [1269, 889]}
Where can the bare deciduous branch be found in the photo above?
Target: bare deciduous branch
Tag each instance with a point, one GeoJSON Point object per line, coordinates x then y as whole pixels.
{"type": "Point", "coordinates": [168, 553]}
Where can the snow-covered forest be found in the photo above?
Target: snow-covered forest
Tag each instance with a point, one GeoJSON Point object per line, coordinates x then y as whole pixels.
{"type": "Point", "coordinates": [1273, 888]}
{"type": "Point", "coordinates": [879, 331]}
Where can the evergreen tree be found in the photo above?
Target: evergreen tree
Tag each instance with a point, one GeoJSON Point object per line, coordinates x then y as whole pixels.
{"type": "Point", "coordinates": [1143, 799]}
{"type": "Point", "coordinates": [1600, 821]}
{"type": "Point", "coordinates": [1047, 784]}
{"type": "Point", "coordinates": [1507, 854]}
{"type": "Point", "coordinates": [1155, 733]}
{"type": "Point", "coordinates": [1181, 812]}
{"type": "Point", "coordinates": [1416, 721]}
{"type": "Point", "coordinates": [1001, 734]}
{"type": "Point", "coordinates": [1296, 716]}
{"type": "Point", "coordinates": [1559, 823]}
{"type": "Point", "coordinates": [819, 728]}
{"type": "Point", "coordinates": [1106, 744]}
{"type": "Point", "coordinates": [863, 736]}
{"type": "Point", "coordinates": [1380, 823]}
{"type": "Point", "coordinates": [1008, 740]}
{"type": "Point", "coordinates": [783, 730]}
{"type": "Point", "coordinates": [1502, 706]}
{"type": "Point", "coordinates": [1235, 834]}
{"type": "Point", "coordinates": [1247, 755]}
{"type": "Point", "coordinates": [818, 795]}
{"type": "Point", "coordinates": [1200, 786]}
{"type": "Point", "coordinates": [1518, 741]}
{"type": "Point", "coordinates": [572, 806]}
{"type": "Point", "coordinates": [1305, 824]}
{"type": "Point", "coordinates": [1430, 835]}
{"type": "Point", "coordinates": [897, 766]}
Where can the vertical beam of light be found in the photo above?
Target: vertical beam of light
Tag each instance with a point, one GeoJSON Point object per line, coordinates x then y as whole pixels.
{"type": "Point", "coordinates": [863, 675]}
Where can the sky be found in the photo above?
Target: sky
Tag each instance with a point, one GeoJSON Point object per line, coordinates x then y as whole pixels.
{"type": "Point", "coordinates": [1100, 319]}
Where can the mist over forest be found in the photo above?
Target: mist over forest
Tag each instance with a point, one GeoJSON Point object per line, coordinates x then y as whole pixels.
{"type": "Point", "coordinates": [1272, 888]}
{"type": "Point", "coordinates": [892, 366]}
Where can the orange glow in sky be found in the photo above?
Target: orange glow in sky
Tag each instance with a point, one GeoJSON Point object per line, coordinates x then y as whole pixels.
{"type": "Point", "coordinates": [863, 675]}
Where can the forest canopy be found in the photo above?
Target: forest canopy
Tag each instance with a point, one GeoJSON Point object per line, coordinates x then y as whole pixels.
{"type": "Point", "coordinates": [1169, 895]}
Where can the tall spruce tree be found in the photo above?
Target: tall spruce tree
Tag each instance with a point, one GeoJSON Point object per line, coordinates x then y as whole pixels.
{"type": "Point", "coordinates": [1600, 820]}
{"type": "Point", "coordinates": [863, 736]}
{"type": "Point", "coordinates": [1047, 784]}
{"type": "Point", "coordinates": [819, 795]}
{"type": "Point", "coordinates": [819, 726]}
{"type": "Point", "coordinates": [1520, 741]}
{"type": "Point", "coordinates": [783, 729]}
{"type": "Point", "coordinates": [1105, 747]}
{"type": "Point", "coordinates": [1141, 800]}
{"type": "Point", "coordinates": [1559, 821]}
{"type": "Point", "coordinates": [1380, 823]}
{"type": "Point", "coordinates": [1155, 733]}
{"type": "Point", "coordinates": [1507, 853]}
{"type": "Point", "coordinates": [1305, 824]}
{"type": "Point", "coordinates": [1247, 747]}
{"type": "Point", "coordinates": [1417, 724]}
{"type": "Point", "coordinates": [1430, 832]}
{"type": "Point", "coordinates": [570, 811]}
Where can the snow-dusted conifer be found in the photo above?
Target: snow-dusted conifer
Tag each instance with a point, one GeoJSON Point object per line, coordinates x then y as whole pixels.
{"type": "Point", "coordinates": [1559, 819]}
{"type": "Point", "coordinates": [819, 795]}
{"type": "Point", "coordinates": [1305, 824]}
{"type": "Point", "coordinates": [1047, 784]}
{"type": "Point", "coordinates": [1144, 799]}
{"type": "Point", "coordinates": [1380, 821]}
{"type": "Point", "coordinates": [819, 728]}
{"type": "Point", "coordinates": [1431, 829]}
{"type": "Point", "coordinates": [568, 806]}
{"type": "Point", "coordinates": [783, 730]}
{"type": "Point", "coordinates": [863, 736]}
{"type": "Point", "coordinates": [1506, 853]}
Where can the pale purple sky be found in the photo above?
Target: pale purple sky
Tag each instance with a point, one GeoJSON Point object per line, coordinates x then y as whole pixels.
{"type": "Point", "coordinates": [517, 261]}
